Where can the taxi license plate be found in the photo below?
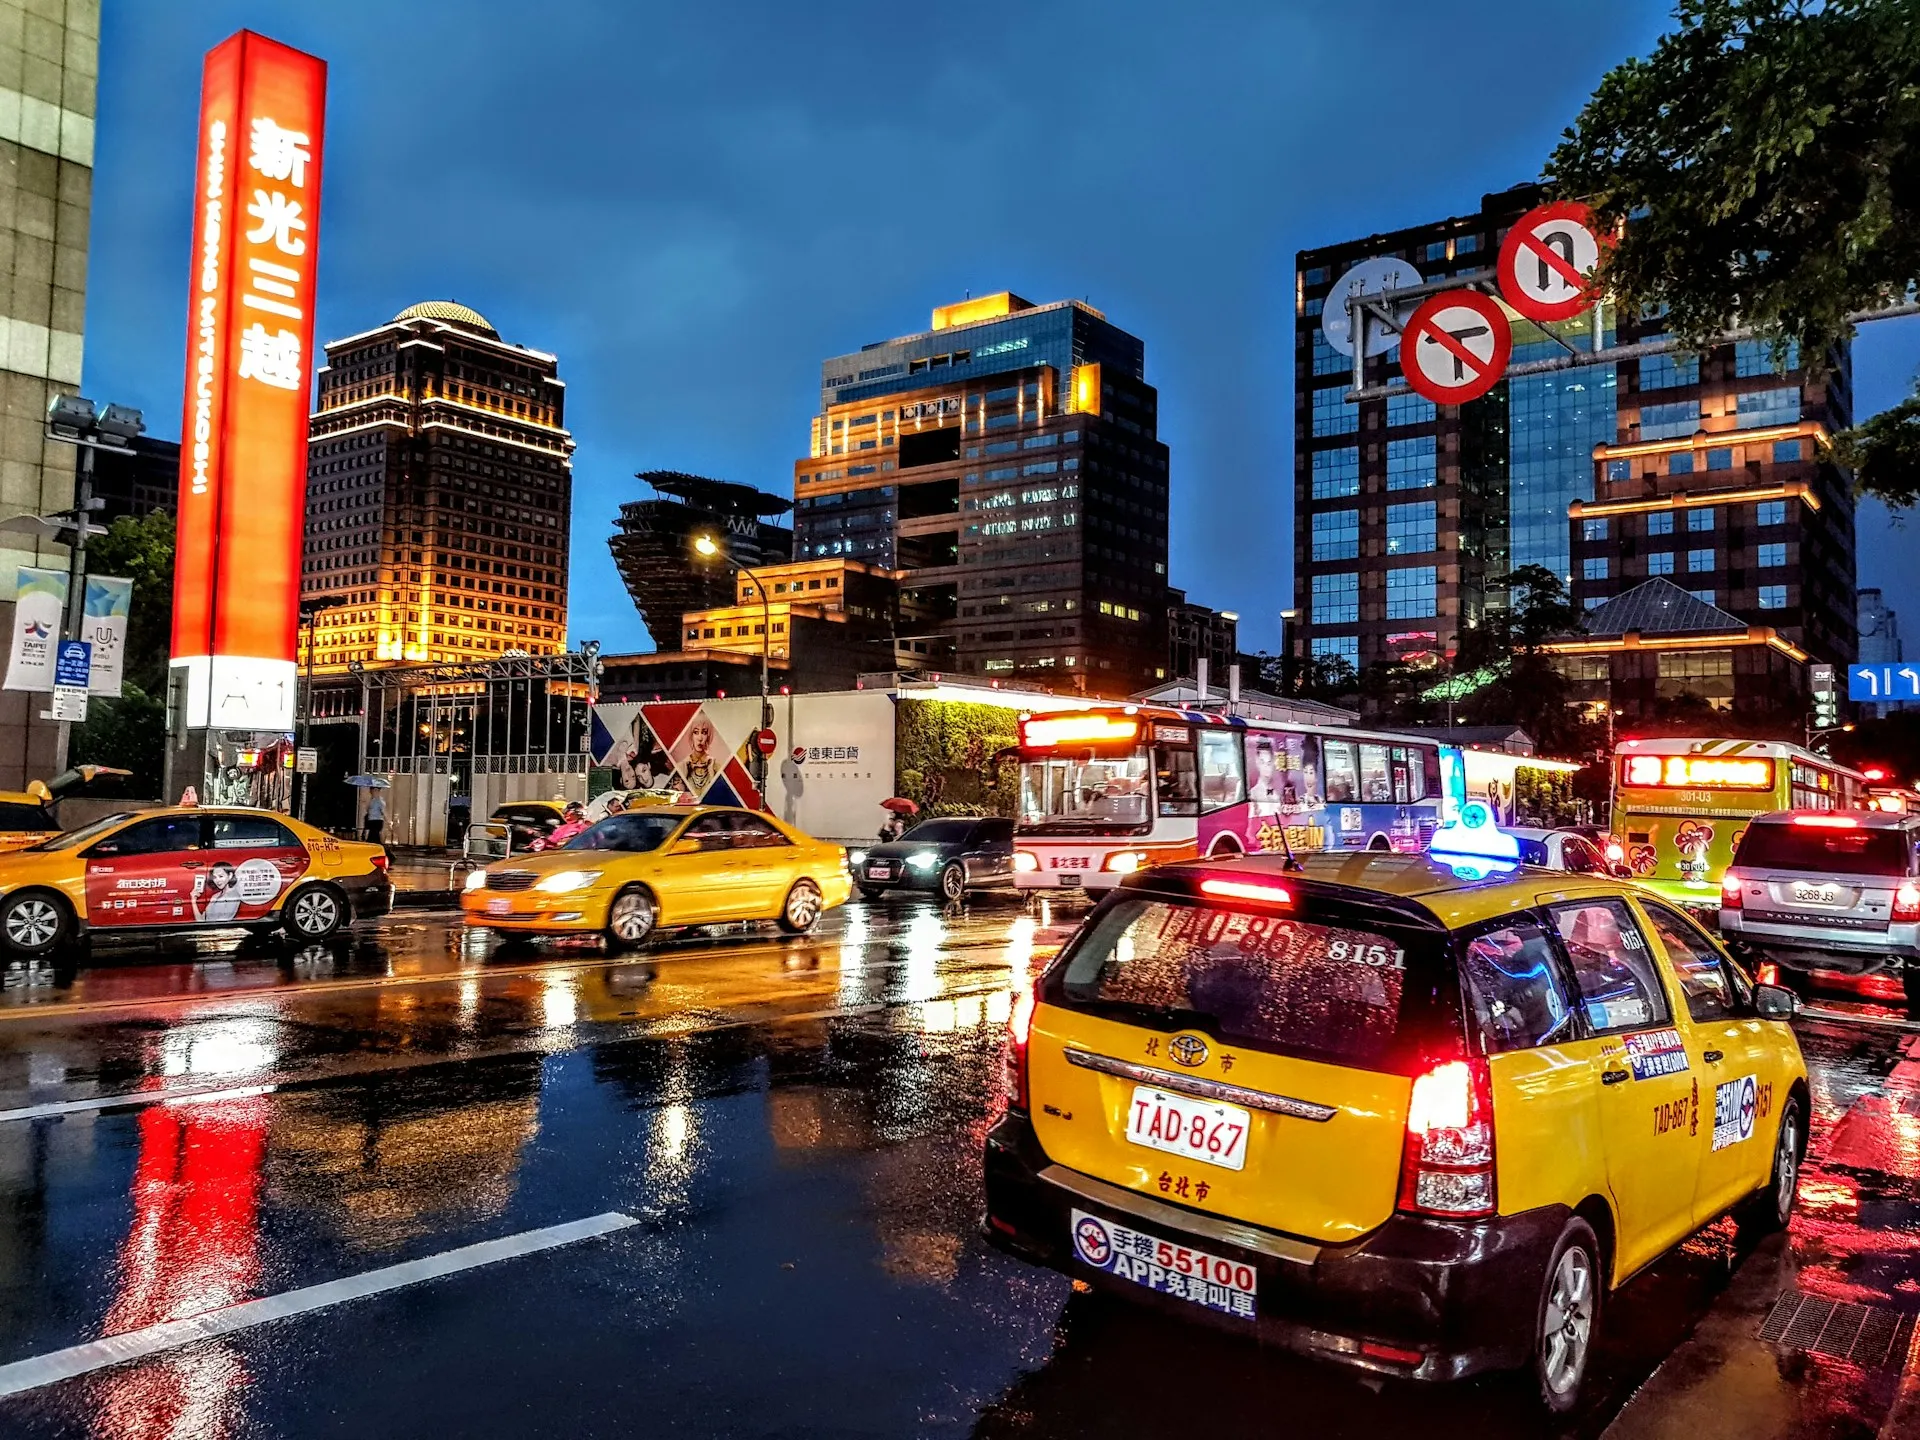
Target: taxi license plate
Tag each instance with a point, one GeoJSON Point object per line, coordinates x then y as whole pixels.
{"type": "Point", "coordinates": [499, 907]}
{"type": "Point", "coordinates": [1195, 1276]}
{"type": "Point", "coordinates": [1200, 1130]}
{"type": "Point", "coordinates": [879, 872]}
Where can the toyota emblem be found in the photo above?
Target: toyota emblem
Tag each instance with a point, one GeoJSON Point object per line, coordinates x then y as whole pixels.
{"type": "Point", "coordinates": [1189, 1050]}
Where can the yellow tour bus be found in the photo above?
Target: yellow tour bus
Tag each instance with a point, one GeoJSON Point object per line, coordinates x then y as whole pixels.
{"type": "Point", "coordinates": [1680, 806]}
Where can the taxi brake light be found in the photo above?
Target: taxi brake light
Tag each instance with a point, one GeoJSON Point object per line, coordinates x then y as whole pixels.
{"type": "Point", "coordinates": [1828, 822]}
{"type": "Point", "coordinates": [1019, 1028]}
{"type": "Point", "coordinates": [1448, 1163]}
{"type": "Point", "coordinates": [1906, 901]}
{"type": "Point", "coordinates": [381, 861]}
{"type": "Point", "coordinates": [1247, 890]}
{"type": "Point", "coordinates": [1729, 892]}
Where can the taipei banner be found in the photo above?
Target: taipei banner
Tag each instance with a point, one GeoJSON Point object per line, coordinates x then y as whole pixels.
{"type": "Point", "coordinates": [109, 603]}
{"type": "Point", "coordinates": [41, 599]}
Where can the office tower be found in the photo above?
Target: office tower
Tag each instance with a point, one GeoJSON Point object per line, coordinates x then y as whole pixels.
{"type": "Point", "coordinates": [138, 480]}
{"type": "Point", "coordinates": [1005, 462]}
{"type": "Point", "coordinates": [653, 546]}
{"type": "Point", "coordinates": [1880, 642]}
{"type": "Point", "coordinates": [439, 486]}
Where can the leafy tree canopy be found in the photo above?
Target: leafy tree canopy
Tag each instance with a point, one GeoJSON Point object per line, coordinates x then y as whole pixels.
{"type": "Point", "coordinates": [141, 550]}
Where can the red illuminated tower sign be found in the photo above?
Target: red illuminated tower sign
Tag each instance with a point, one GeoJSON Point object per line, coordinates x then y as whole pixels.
{"type": "Point", "coordinates": [243, 453]}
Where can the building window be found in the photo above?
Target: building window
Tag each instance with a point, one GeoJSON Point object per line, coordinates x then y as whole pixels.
{"type": "Point", "coordinates": [1660, 562]}
{"type": "Point", "coordinates": [1773, 597]}
{"type": "Point", "coordinates": [1770, 512]}
{"type": "Point", "coordinates": [1786, 452]}
{"type": "Point", "coordinates": [1411, 464]}
{"type": "Point", "coordinates": [1663, 372]}
{"type": "Point", "coordinates": [1756, 408]}
{"type": "Point", "coordinates": [1680, 464]}
{"type": "Point", "coordinates": [1773, 555]}
{"type": "Point", "coordinates": [1336, 473]}
{"type": "Point", "coordinates": [1409, 410]}
{"type": "Point", "coordinates": [1595, 567]}
{"type": "Point", "coordinates": [1466, 244]}
{"type": "Point", "coordinates": [1705, 597]}
{"type": "Point", "coordinates": [1410, 528]}
{"type": "Point", "coordinates": [1410, 593]}
{"type": "Point", "coordinates": [1340, 647]}
{"type": "Point", "coordinates": [1700, 518]}
{"type": "Point", "coordinates": [1698, 560]}
{"type": "Point", "coordinates": [1336, 598]}
{"type": "Point", "coordinates": [1669, 422]}
{"type": "Point", "coordinates": [1619, 469]}
{"type": "Point", "coordinates": [1326, 359]}
{"type": "Point", "coordinates": [1332, 415]}
{"type": "Point", "coordinates": [1720, 458]}
{"type": "Point", "coordinates": [1660, 523]}
{"type": "Point", "coordinates": [1336, 535]}
{"type": "Point", "coordinates": [1755, 357]}
{"type": "Point", "coordinates": [1593, 529]}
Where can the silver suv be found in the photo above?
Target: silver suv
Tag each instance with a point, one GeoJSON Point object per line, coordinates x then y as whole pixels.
{"type": "Point", "coordinates": [1827, 889]}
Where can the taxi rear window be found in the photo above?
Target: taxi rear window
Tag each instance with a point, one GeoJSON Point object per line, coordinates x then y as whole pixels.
{"type": "Point", "coordinates": [17, 817]}
{"type": "Point", "coordinates": [1329, 992]}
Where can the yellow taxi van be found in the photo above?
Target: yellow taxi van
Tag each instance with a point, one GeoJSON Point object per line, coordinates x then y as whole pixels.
{"type": "Point", "coordinates": [1411, 1115]}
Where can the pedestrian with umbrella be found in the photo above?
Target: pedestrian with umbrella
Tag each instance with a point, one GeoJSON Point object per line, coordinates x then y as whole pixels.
{"type": "Point", "coordinates": [898, 809]}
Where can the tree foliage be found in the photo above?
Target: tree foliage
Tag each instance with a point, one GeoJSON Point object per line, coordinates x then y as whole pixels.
{"type": "Point", "coordinates": [1765, 159]}
{"type": "Point", "coordinates": [141, 550]}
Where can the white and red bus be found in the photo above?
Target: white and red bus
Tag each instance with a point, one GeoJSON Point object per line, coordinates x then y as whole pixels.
{"type": "Point", "coordinates": [1106, 792]}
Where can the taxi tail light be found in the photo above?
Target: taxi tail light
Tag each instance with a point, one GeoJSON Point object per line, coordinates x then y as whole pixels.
{"type": "Point", "coordinates": [381, 861]}
{"type": "Point", "coordinates": [1906, 901]}
{"type": "Point", "coordinates": [1729, 892]}
{"type": "Point", "coordinates": [1019, 1028]}
{"type": "Point", "coordinates": [1448, 1164]}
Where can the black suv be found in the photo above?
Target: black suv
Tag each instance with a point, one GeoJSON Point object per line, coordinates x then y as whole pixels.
{"type": "Point", "coordinates": [950, 855]}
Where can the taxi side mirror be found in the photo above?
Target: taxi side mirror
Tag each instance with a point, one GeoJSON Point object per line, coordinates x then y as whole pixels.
{"type": "Point", "coordinates": [1619, 871]}
{"type": "Point", "coordinates": [1774, 1002]}
{"type": "Point", "coordinates": [685, 847]}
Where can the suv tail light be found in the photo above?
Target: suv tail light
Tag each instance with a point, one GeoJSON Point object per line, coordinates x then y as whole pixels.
{"type": "Point", "coordinates": [1448, 1164]}
{"type": "Point", "coordinates": [1019, 1027]}
{"type": "Point", "coordinates": [1906, 901]}
{"type": "Point", "coordinates": [1729, 892]}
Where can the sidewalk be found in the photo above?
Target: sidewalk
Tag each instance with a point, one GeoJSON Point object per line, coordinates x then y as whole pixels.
{"type": "Point", "coordinates": [423, 878]}
{"type": "Point", "coordinates": [1816, 1334]}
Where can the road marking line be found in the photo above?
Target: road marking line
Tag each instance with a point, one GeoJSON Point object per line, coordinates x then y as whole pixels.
{"type": "Point", "coordinates": [58, 1365]}
{"type": "Point", "coordinates": [134, 1097]}
{"type": "Point", "coordinates": [1849, 1017]}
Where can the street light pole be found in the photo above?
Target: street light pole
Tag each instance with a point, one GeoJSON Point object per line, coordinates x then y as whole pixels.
{"type": "Point", "coordinates": [711, 549]}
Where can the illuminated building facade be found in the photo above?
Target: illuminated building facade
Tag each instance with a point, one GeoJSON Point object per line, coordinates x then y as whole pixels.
{"type": "Point", "coordinates": [653, 545]}
{"type": "Point", "coordinates": [439, 486]}
{"type": "Point", "coordinates": [1005, 462]}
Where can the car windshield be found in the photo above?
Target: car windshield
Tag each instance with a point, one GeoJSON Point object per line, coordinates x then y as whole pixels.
{"type": "Point", "coordinates": [938, 832]}
{"type": "Point", "coordinates": [1824, 850]}
{"type": "Point", "coordinates": [1062, 795]}
{"type": "Point", "coordinates": [1270, 982]}
{"type": "Point", "coordinates": [626, 832]}
{"type": "Point", "coordinates": [81, 836]}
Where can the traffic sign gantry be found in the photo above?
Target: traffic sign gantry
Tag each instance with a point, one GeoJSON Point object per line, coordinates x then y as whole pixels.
{"type": "Point", "coordinates": [1548, 259]}
{"type": "Point", "coordinates": [1456, 346]}
{"type": "Point", "coordinates": [1369, 277]}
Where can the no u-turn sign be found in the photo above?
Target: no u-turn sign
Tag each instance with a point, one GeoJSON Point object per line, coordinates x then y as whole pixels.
{"type": "Point", "coordinates": [1548, 259]}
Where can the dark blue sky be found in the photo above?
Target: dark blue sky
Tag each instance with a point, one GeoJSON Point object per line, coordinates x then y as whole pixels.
{"type": "Point", "coordinates": [692, 206]}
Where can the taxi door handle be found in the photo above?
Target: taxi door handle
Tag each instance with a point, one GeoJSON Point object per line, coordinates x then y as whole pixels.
{"type": "Point", "coordinates": [191, 864]}
{"type": "Point", "coordinates": [1713, 1057]}
{"type": "Point", "coordinates": [1614, 1077]}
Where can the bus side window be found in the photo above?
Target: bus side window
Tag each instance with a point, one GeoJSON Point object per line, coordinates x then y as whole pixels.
{"type": "Point", "coordinates": [1402, 776]}
{"type": "Point", "coordinates": [1343, 782]}
{"type": "Point", "coordinates": [1174, 780]}
{"type": "Point", "coordinates": [1430, 773]}
{"type": "Point", "coordinates": [1220, 780]}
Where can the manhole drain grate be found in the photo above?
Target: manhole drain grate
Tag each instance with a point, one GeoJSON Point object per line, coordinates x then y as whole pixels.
{"type": "Point", "coordinates": [1866, 1335]}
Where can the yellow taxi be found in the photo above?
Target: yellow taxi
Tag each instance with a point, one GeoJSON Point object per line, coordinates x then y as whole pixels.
{"type": "Point", "coordinates": [666, 865]}
{"type": "Point", "coordinates": [185, 868]}
{"type": "Point", "coordinates": [28, 816]}
{"type": "Point", "coordinates": [1417, 1116]}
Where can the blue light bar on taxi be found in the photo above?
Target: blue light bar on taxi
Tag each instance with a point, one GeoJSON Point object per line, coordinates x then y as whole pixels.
{"type": "Point", "coordinates": [1474, 836]}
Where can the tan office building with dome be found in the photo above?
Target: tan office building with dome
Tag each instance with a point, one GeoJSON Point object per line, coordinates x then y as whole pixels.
{"type": "Point", "coordinates": [439, 485]}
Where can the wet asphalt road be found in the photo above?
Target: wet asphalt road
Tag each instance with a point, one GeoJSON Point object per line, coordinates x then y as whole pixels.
{"type": "Point", "coordinates": [794, 1127]}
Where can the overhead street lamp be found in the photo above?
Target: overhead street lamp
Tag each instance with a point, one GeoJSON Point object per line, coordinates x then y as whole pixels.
{"type": "Point", "coordinates": [75, 420]}
{"type": "Point", "coordinates": [708, 547]}
{"type": "Point", "coordinates": [310, 610]}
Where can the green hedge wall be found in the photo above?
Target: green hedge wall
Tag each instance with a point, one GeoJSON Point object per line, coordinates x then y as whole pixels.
{"type": "Point", "coordinates": [944, 757]}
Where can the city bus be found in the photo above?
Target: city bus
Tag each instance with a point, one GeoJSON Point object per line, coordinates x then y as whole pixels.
{"type": "Point", "coordinates": [1106, 792]}
{"type": "Point", "coordinates": [1681, 805]}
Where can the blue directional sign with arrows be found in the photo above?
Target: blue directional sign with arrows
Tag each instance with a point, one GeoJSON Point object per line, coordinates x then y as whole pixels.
{"type": "Point", "coordinates": [1883, 682]}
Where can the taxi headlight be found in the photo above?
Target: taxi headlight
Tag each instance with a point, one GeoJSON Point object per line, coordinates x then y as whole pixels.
{"type": "Point", "coordinates": [562, 880]}
{"type": "Point", "coordinates": [923, 859]}
{"type": "Point", "coordinates": [476, 879]}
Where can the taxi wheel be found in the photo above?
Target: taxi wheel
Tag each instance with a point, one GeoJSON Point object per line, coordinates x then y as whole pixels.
{"type": "Point", "coordinates": [1569, 1317]}
{"type": "Point", "coordinates": [33, 923]}
{"type": "Point", "coordinates": [631, 918]}
{"type": "Point", "coordinates": [1769, 1210]}
{"type": "Point", "coordinates": [803, 907]}
{"type": "Point", "coordinates": [953, 882]}
{"type": "Point", "coordinates": [313, 913]}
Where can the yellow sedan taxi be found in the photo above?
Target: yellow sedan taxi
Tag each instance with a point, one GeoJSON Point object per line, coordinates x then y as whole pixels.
{"type": "Point", "coordinates": [1410, 1115]}
{"type": "Point", "coordinates": [667, 865]}
{"type": "Point", "coordinates": [186, 868]}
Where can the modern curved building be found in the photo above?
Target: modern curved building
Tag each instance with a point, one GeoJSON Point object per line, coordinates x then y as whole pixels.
{"type": "Point", "coordinates": [653, 547]}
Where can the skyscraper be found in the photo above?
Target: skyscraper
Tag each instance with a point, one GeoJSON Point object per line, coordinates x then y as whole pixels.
{"type": "Point", "coordinates": [1006, 461]}
{"type": "Point", "coordinates": [653, 546]}
{"type": "Point", "coordinates": [439, 486]}
{"type": "Point", "coordinates": [1411, 516]}
{"type": "Point", "coordinates": [1880, 642]}
{"type": "Point", "coordinates": [49, 59]}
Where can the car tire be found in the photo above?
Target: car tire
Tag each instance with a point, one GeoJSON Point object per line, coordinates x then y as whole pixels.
{"type": "Point", "coordinates": [953, 882]}
{"type": "Point", "coordinates": [313, 912]}
{"type": "Point", "coordinates": [632, 918]}
{"type": "Point", "coordinates": [1768, 1210]}
{"type": "Point", "coordinates": [871, 892]}
{"type": "Point", "coordinates": [801, 909]}
{"type": "Point", "coordinates": [34, 923]}
{"type": "Point", "coordinates": [1567, 1319]}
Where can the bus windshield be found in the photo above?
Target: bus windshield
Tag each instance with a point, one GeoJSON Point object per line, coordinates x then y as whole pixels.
{"type": "Point", "coordinates": [1085, 794]}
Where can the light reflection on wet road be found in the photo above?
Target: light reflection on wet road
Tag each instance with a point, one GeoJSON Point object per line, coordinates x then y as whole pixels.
{"type": "Point", "coordinates": [795, 1124]}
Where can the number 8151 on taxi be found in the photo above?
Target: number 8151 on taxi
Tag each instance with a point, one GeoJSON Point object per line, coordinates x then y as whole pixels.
{"type": "Point", "coordinates": [1198, 1130]}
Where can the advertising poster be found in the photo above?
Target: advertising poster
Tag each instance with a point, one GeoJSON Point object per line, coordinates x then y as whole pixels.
{"type": "Point", "coordinates": [42, 599]}
{"type": "Point", "coordinates": [692, 748]}
{"type": "Point", "coordinates": [109, 603]}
